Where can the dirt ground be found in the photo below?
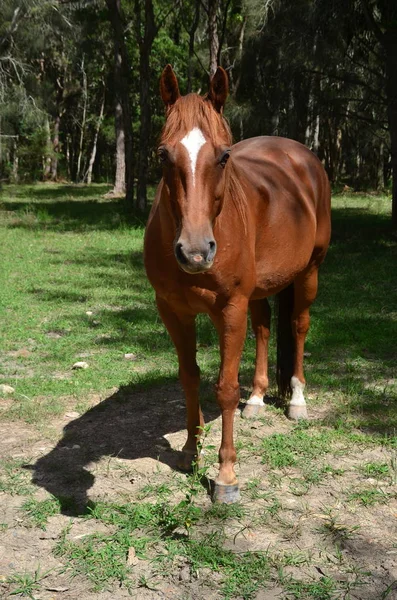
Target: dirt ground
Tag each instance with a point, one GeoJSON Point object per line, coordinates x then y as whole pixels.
{"type": "Point", "coordinates": [131, 439]}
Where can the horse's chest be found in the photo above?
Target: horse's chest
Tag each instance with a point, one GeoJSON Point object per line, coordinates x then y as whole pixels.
{"type": "Point", "coordinates": [191, 299]}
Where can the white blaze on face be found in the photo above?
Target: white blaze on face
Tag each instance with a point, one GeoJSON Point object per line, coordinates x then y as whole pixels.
{"type": "Point", "coordinates": [193, 141]}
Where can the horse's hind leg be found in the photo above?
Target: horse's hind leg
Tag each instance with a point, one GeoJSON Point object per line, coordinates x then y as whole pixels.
{"type": "Point", "coordinates": [183, 333]}
{"type": "Point", "coordinates": [260, 319]}
{"type": "Point", "coordinates": [305, 291]}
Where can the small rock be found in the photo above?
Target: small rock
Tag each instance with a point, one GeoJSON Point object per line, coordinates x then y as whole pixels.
{"type": "Point", "coordinates": [130, 356]}
{"type": "Point", "coordinates": [71, 415]}
{"type": "Point", "coordinates": [6, 389]}
{"type": "Point", "coordinates": [76, 447]}
{"type": "Point", "coordinates": [80, 365]}
{"type": "Point", "coordinates": [132, 558]}
{"type": "Point", "coordinates": [184, 574]}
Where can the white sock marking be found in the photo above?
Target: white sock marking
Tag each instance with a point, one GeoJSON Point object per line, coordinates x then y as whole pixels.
{"type": "Point", "coordinates": [257, 400]}
{"type": "Point", "coordinates": [193, 142]}
{"type": "Point", "coordinates": [298, 398]}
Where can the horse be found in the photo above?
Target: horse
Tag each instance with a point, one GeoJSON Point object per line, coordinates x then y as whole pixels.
{"type": "Point", "coordinates": [231, 225]}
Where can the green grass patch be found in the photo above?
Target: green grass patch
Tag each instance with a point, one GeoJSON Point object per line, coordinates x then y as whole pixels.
{"type": "Point", "coordinates": [14, 479]}
{"type": "Point", "coordinates": [164, 531]}
{"type": "Point", "coordinates": [25, 584]}
{"type": "Point", "coordinates": [37, 512]}
{"type": "Point", "coordinates": [369, 496]}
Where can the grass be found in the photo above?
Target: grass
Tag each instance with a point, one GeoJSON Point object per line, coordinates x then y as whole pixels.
{"type": "Point", "coordinates": [38, 512]}
{"type": "Point", "coordinates": [73, 288]}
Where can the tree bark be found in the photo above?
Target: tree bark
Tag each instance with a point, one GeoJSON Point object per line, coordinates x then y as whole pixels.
{"type": "Point", "coordinates": [192, 33]}
{"type": "Point", "coordinates": [55, 148]}
{"type": "Point", "coordinates": [83, 121]}
{"type": "Point", "coordinates": [95, 141]}
{"type": "Point", "coordinates": [119, 188]}
{"type": "Point", "coordinates": [146, 33]}
{"type": "Point", "coordinates": [47, 156]}
{"type": "Point", "coordinates": [390, 46]}
{"type": "Point", "coordinates": [388, 41]}
{"type": "Point", "coordinates": [213, 37]}
{"type": "Point", "coordinates": [122, 99]}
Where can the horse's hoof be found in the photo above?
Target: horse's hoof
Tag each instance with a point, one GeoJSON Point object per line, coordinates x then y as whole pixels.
{"type": "Point", "coordinates": [226, 494]}
{"type": "Point", "coordinates": [296, 413]}
{"type": "Point", "coordinates": [186, 461]}
{"type": "Point", "coordinates": [252, 411]}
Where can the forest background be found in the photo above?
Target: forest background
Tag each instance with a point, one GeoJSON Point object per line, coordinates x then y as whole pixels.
{"type": "Point", "coordinates": [79, 96]}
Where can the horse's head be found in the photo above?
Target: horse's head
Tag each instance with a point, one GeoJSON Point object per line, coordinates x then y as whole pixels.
{"type": "Point", "coordinates": [194, 149]}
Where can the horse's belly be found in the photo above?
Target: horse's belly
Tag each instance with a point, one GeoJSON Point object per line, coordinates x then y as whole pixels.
{"type": "Point", "coordinates": [274, 275]}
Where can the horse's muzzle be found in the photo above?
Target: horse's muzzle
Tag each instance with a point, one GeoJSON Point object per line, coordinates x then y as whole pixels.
{"type": "Point", "coordinates": [197, 259]}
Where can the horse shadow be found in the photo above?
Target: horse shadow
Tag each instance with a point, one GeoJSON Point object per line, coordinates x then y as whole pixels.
{"type": "Point", "coordinates": [130, 424]}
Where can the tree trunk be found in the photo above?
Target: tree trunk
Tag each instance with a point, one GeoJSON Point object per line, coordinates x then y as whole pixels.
{"type": "Point", "coordinates": [15, 161]}
{"type": "Point", "coordinates": [390, 46]}
{"type": "Point", "coordinates": [55, 148]}
{"type": "Point", "coordinates": [95, 142]}
{"type": "Point", "coordinates": [213, 37]}
{"type": "Point", "coordinates": [57, 123]}
{"type": "Point", "coordinates": [47, 156]}
{"type": "Point", "coordinates": [192, 33]}
{"type": "Point", "coordinates": [145, 41]}
{"type": "Point", "coordinates": [388, 40]}
{"type": "Point", "coordinates": [119, 188]}
{"type": "Point", "coordinates": [83, 121]}
{"type": "Point", "coordinates": [122, 99]}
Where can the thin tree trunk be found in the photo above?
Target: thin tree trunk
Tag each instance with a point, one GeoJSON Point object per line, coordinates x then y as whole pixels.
{"type": "Point", "coordinates": [124, 135]}
{"type": "Point", "coordinates": [213, 37]}
{"type": "Point", "coordinates": [15, 161]}
{"type": "Point", "coordinates": [391, 90]}
{"type": "Point", "coordinates": [57, 123]}
{"type": "Point", "coordinates": [55, 148]}
{"type": "Point", "coordinates": [120, 177]}
{"type": "Point", "coordinates": [47, 157]}
{"type": "Point", "coordinates": [192, 33]}
{"type": "Point", "coordinates": [95, 142]}
{"type": "Point", "coordinates": [145, 40]}
{"type": "Point", "coordinates": [83, 121]}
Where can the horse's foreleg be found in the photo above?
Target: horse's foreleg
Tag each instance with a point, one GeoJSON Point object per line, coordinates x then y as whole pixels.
{"type": "Point", "coordinates": [232, 326]}
{"type": "Point", "coordinates": [183, 333]}
{"type": "Point", "coordinates": [260, 319]}
{"type": "Point", "coordinates": [305, 291]}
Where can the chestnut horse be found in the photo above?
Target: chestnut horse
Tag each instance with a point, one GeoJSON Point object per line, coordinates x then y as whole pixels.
{"type": "Point", "coordinates": [230, 226]}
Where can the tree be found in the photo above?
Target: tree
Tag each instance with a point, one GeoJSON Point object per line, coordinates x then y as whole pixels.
{"type": "Point", "coordinates": [122, 99]}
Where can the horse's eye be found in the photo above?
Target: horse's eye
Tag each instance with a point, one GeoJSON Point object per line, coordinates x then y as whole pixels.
{"type": "Point", "coordinates": [224, 158]}
{"type": "Point", "coordinates": [162, 154]}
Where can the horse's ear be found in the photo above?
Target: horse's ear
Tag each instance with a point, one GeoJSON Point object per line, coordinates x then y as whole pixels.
{"type": "Point", "coordinates": [169, 88]}
{"type": "Point", "coordinates": [219, 89]}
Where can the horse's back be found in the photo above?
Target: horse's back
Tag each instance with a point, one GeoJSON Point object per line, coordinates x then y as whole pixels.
{"type": "Point", "coordinates": [290, 179]}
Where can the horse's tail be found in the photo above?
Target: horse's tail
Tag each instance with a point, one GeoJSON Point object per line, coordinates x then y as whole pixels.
{"type": "Point", "coordinates": [285, 341]}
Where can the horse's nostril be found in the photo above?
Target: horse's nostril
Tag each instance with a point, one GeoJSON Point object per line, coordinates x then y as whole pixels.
{"type": "Point", "coordinates": [179, 253]}
{"type": "Point", "coordinates": [211, 251]}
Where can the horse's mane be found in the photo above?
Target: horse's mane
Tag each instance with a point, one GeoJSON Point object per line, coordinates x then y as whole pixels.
{"type": "Point", "coordinates": [235, 191]}
{"type": "Point", "coordinates": [195, 111]}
